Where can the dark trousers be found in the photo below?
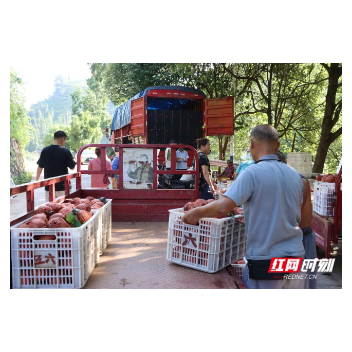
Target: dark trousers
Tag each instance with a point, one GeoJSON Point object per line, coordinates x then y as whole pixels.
{"type": "Point", "coordinates": [205, 194]}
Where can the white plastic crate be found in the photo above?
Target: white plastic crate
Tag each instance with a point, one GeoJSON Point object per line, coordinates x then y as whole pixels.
{"type": "Point", "coordinates": [229, 183]}
{"type": "Point", "coordinates": [210, 247]}
{"type": "Point", "coordinates": [239, 268]}
{"type": "Point", "coordinates": [217, 195]}
{"type": "Point", "coordinates": [222, 184]}
{"type": "Point", "coordinates": [323, 197]}
{"type": "Point", "coordinates": [104, 230]}
{"type": "Point", "coordinates": [63, 262]}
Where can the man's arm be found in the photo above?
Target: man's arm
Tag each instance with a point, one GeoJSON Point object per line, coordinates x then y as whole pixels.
{"type": "Point", "coordinates": [39, 171]}
{"type": "Point", "coordinates": [306, 192]}
{"type": "Point", "coordinates": [207, 178]}
{"type": "Point", "coordinates": [70, 162]}
{"type": "Point", "coordinates": [216, 209]}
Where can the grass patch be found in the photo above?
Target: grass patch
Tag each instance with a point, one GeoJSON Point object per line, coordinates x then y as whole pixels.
{"type": "Point", "coordinates": [24, 177]}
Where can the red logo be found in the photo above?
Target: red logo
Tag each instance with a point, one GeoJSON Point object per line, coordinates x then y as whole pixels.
{"type": "Point", "coordinates": [285, 265]}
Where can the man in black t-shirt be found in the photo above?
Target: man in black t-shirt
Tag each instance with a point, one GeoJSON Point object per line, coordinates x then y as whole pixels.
{"type": "Point", "coordinates": [55, 160]}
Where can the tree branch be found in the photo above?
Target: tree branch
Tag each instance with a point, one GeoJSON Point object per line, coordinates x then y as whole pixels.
{"type": "Point", "coordinates": [335, 156]}
{"type": "Point", "coordinates": [252, 97]}
{"type": "Point", "coordinates": [326, 67]}
{"type": "Point", "coordinates": [249, 113]}
{"type": "Point", "coordinates": [260, 88]}
{"type": "Point", "coordinates": [337, 112]}
{"type": "Point", "coordinates": [304, 137]}
{"type": "Point", "coordinates": [335, 135]}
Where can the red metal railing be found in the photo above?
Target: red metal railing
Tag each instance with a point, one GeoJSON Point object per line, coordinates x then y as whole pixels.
{"type": "Point", "coordinates": [153, 194]}
{"type": "Point", "coordinates": [30, 187]}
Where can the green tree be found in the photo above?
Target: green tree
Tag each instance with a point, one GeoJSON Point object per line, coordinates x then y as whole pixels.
{"type": "Point", "coordinates": [94, 100]}
{"type": "Point", "coordinates": [85, 129]}
{"type": "Point", "coordinates": [122, 81]}
{"type": "Point", "coordinates": [46, 110]}
{"type": "Point", "coordinates": [19, 121]}
{"type": "Point", "coordinates": [49, 137]}
{"type": "Point", "coordinates": [302, 101]}
{"type": "Point", "coordinates": [34, 142]}
{"type": "Point", "coordinates": [331, 127]}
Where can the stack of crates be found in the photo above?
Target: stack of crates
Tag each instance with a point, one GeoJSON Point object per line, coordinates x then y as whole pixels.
{"type": "Point", "coordinates": [104, 221]}
{"type": "Point", "coordinates": [64, 258]}
{"type": "Point", "coordinates": [324, 194]}
{"type": "Point", "coordinates": [209, 247]}
{"type": "Point", "coordinates": [301, 162]}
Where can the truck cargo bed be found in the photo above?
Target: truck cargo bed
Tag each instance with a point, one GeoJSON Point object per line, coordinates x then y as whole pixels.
{"type": "Point", "coordinates": [136, 258]}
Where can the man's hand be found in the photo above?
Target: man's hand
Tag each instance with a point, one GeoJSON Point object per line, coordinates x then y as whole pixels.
{"type": "Point", "coordinates": [191, 217]}
{"type": "Point", "coordinates": [219, 208]}
{"type": "Point", "coordinates": [212, 189]}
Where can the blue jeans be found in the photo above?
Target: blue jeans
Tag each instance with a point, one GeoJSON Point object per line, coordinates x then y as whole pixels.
{"type": "Point", "coordinates": [205, 193]}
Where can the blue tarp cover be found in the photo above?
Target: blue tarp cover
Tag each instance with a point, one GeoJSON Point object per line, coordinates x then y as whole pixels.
{"type": "Point", "coordinates": [122, 115]}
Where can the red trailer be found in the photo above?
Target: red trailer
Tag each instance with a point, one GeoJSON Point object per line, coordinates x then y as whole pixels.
{"type": "Point", "coordinates": [150, 269]}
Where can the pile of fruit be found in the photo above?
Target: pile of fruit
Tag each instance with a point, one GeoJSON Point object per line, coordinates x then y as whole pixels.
{"type": "Point", "coordinates": [329, 178]}
{"type": "Point", "coordinates": [72, 213]}
{"type": "Point", "coordinates": [201, 202]}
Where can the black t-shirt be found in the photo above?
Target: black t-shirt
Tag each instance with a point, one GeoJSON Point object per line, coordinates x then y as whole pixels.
{"type": "Point", "coordinates": [55, 160]}
{"type": "Point", "coordinates": [203, 160]}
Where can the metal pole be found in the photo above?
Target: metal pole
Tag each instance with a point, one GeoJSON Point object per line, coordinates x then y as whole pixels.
{"type": "Point", "coordinates": [234, 111]}
{"type": "Point", "coordinates": [232, 147]}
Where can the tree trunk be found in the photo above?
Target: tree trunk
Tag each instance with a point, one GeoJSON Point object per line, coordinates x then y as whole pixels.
{"type": "Point", "coordinates": [222, 148]}
{"type": "Point", "coordinates": [220, 152]}
{"type": "Point", "coordinates": [331, 115]}
{"type": "Point", "coordinates": [16, 159]}
{"type": "Point", "coordinates": [293, 143]}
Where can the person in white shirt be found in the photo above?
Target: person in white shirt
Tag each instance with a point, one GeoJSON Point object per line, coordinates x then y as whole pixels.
{"type": "Point", "coordinates": [181, 160]}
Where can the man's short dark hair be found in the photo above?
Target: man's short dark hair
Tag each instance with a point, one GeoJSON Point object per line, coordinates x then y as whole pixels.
{"type": "Point", "coordinates": [173, 141]}
{"type": "Point", "coordinates": [59, 134]}
{"type": "Point", "coordinates": [265, 133]}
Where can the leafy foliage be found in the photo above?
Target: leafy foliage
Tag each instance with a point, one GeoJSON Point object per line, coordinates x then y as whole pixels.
{"type": "Point", "coordinates": [291, 97]}
{"type": "Point", "coordinates": [48, 138]}
{"type": "Point", "coordinates": [84, 129]}
{"type": "Point", "coordinates": [19, 121]}
{"type": "Point", "coordinates": [24, 177]}
{"type": "Point", "coordinates": [122, 81]}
